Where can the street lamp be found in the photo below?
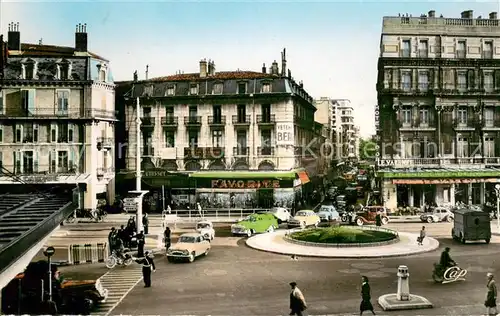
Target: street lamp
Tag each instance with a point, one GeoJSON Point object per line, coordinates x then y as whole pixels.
{"type": "Point", "coordinates": [497, 191]}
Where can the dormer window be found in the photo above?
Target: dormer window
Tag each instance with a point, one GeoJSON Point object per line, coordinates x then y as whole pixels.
{"type": "Point", "coordinates": [29, 70]}
{"type": "Point", "coordinates": [242, 88]}
{"type": "Point", "coordinates": [64, 71]}
{"type": "Point", "coordinates": [218, 87]}
{"type": "Point", "coordinates": [193, 89]}
{"type": "Point", "coordinates": [170, 90]}
{"type": "Point", "coordinates": [266, 87]}
{"type": "Point", "coordinates": [148, 90]}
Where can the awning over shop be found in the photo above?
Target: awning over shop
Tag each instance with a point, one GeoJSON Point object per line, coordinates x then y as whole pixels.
{"type": "Point", "coordinates": [279, 175]}
{"type": "Point", "coordinates": [444, 181]}
{"type": "Point", "coordinates": [46, 179]}
{"type": "Point", "coordinates": [440, 173]}
{"type": "Point", "coordinates": [304, 178]}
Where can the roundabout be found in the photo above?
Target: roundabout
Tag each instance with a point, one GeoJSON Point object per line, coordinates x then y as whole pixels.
{"type": "Point", "coordinates": [345, 242]}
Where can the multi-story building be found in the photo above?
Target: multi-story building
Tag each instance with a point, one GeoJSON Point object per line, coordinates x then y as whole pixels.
{"type": "Point", "coordinates": [439, 109]}
{"type": "Point", "coordinates": [328, 115]}
{"type": "Point", "coordinates": [350, 133]}
{"type": "Point", "coordinates": [224, 139]}
{"type": "Point", "coordinates": [56, 117]}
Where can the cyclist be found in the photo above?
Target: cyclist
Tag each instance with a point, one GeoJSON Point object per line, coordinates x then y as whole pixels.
{"type": "Point", "coordinates": [119, 248]}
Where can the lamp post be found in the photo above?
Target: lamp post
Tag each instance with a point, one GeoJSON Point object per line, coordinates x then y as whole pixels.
{"type": "Point", "coordinates": [497, 191]}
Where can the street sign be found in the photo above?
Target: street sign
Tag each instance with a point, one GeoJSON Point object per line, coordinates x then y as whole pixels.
{"type": "Point", "coordinates": [49, 252]}
{"type": "Point", "coordinates": [130, 204]}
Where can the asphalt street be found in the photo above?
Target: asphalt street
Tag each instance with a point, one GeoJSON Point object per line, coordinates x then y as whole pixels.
{"type": "Point", "coordinates": [236, 280]}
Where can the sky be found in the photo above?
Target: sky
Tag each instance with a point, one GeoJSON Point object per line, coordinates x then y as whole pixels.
{"type": "Point", "coordinates": [332, 46]}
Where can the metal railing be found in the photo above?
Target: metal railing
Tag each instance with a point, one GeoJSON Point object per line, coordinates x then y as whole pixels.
{"type": "Point", "coordinates": [192, 120]}
{"type": "Point", "coordinates": [241, 119]}
{"type": "Point", "coordinates": [169, 121]}
{"type": "Point", "coordinates": [266, 119]}
{"type": "Point", "coordinates": [217, 120]}
{"type": "Point", "coordinates": [147, 121]}
{"type": "Point", "coordinates": [217, 214]}
{"type": "Point", "coordinates": [265, 151]}
{"type": "Point", "coordinates": [55, 112]}
{"type": "Point", "coordinates": [48, 171]}
{"type": "Point", "coordinates": [241, 151]}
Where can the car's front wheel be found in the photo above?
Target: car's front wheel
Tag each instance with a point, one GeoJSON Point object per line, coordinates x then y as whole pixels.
{"type": "Point", "coordinates": [385, 220]}
{"type": "Point", "coordinates": [303, 225]}
{"type": "Point", "coordinates": [270, 229]}
{"type": "Point", "coordinates": [359, 221]}
{"type": "Point", "coordinates": [249, 233]}
{"type": "Point", "coordinates": [206, 252]}
{"type": "Point", "coordinates": [449, 219]}
{"type": "Point", "coordinates": [429, 219]}
{"type": "Point", "coordinates": [191, 257]}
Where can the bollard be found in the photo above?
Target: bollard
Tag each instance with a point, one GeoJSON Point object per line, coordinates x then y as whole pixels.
{"type": "Point", "coordinates": [403, 293]}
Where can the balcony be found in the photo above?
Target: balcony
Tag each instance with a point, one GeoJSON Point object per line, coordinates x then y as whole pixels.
{"type": "Point", "coordinates": [464, 162]}
{"type": "Point", "coordinates": [214, 152]}
{"type": "Point", "coordinates": [487, 54]}
{"type": "Point", "coordinates": [460, 54]}
{"type": "Point", "coordinates": [241, 151]}
{"type": "Point", "coordinates": [42, 173]}
{"type": "Point", "coordinates": [194, 152]}
{"type": "Point", "coordinates": [192, 121]}
{"type": "Point", "coordinates": [423, 53]}
{"type": "Point", "coordinates": [148, 151]}
{"type": "Point", "coordinates": [105, 143]}
{"type": "Point", "coordinates": [55, 113]}
{"type": "Point", "coordinates": [265, 151]}
{"type": "Point", "coordinates": [217, 121]}
{"type": "Point", "coordinates": [266, 120]}
{"type": "Point", "coordinates": [169, 122]}
{"type": "Point", "coordinates": [147, 122]}
{"type": "Point", "coordinates": [241, 120]}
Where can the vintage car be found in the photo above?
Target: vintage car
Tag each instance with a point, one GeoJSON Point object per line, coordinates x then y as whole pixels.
{"type": "Point", "coordinates": [471, 224]}
{"type": "Point", "coordinates": [72, 297]}
{"type": "Point", "coordinates": [369, 215]}
{"type": "Point", "coordinates": [255, 223]}
{"type": "Point", "coordinates": [189, 247]}
{"type": "Point", "coordinates": [281, 213]}
{"type": "Point", "coordinates": [206, 228]}
{"type": "Point", "coordinates": [438, 214]}
{"type": "Point", "coordinates": [328, 213]}
{"type": "Point", "coordinates": [303, 219]}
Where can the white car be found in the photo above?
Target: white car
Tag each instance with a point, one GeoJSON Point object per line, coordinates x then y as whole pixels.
{"type": "Point", "coordinates": [206, 228]}
{"type": "Point", "coordinates": [281, 213]}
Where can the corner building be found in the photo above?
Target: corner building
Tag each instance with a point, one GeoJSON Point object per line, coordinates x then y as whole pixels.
{"type": "Point", "coordinates": [438, 94]}
{"type": "Point", "coordinates": [230, 139]}
{"type": "Point", "coordinates": [56, 118]}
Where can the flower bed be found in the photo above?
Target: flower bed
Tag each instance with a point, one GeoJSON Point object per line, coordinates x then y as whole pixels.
{"type": "Point", "coordinates": [343, 235]}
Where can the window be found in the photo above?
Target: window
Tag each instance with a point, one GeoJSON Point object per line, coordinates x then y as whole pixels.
{"type": "Point", "coordinates": [217, 138]}
{"type": "Point", "coordinates": [28, 133]}
{"type": "Point", "coordinates": [461, 49]}
{"type": "Point", "coordinates": [29, 70]}
{"type": "Point", "coordinates": [170, 90]}
{"type": "Point", "coordinates": [241, 140]}
{"type": "Point", "coordinates": [406, 116]}
{"type": "Point", "coordinates": [193, 138]}
{"type": "Point", "coordinates": [406, 81]}
{"type": "Point", "coordinates": [193, 89]}
{"type": "Point", "coordinates": [193, 114]}
{"type": "Point", "coordinates": [70, 133]}
{"type": "Point", "coordinates": [18, 133]}
{"type": "Point", "coordinates": [462, 81]}
{"type": "Point", "coordinates": [1, 134]}
{"type": "Point", "coordinates": [423, 81]}
{"type": "Point", "coordinates": [28, 162]}
{"type": "Point", "coordinates": [28, 101]}
{"type": "Point", "coordinates": [424, 117]}
{"type": "Point", "coordinates": [489, 147]}
{"type": "Point", "coordinates": [406, 49]}
{"type": "Point", "coordinates": [463, 147]}
{"type": "Point", "coordinates": [407, 149]}
{"type": "Point", "coordinates": [102, 75]}
{"type": "Point", "coordinates": [488, 117]}
{"type": "Point", "coordinates": [462, 117]}
{"type": "Point", "coordinates": [169, 139]}
{"type": "Point", "coordinates": [62, 161]}
{"type": "Point", "coordinates": [62, 101]}
{"type": "Point", "coordinates": [266, 113]}
{"type": "Point", "coordinates": [62, 133]}
{"type": "Point", "coordinates": [265, 141]}
{"type": "Point", "coordinates": [266, 87]}
{"type": "Point", "coordinates": [242, 113]}
{"type": "Point", "coordinates": [242, 88]}
{"type": "Point", "coordinates": [64, 71]}
{"type": "Point", "coordinates": [217, 114]}
{"type": "Point", "coordinates": [148, 90]}
{"type": "Point", "coordinates": [488, 50]}
{"type": "Point", "coordinates": [488, 82]}
{"type": "Point", "coordinates": [218, 87]}
{"type": "Point", "coordinates": [423, 49]}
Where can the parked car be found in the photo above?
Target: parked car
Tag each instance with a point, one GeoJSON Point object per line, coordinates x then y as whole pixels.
{"type": "Point", "coordinates": [328, 213]}
{"type": "Point", "coordinates": [438, 214]}
{"type": "Point", "coordinates": [281, 213]}
{"type": "Point", "coordinates": [303, 219]}
{"type": "Point", "coordinates": [189, 246]}
{"type": "Point", "coordinates": [206, 228]}
{"type": "Point", "coordinates": [255, 223]}
{"type": "Point", "coordinates": [369, 214]}
{"type": "Point", "coordinates": [471, 224]}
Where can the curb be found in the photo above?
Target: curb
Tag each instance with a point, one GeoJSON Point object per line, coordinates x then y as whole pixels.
{"type": "Point", "coordinates": [430, 249]}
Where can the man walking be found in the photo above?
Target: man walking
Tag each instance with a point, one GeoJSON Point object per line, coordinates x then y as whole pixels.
{"type": "Point", "coordinates": [166, 236]}
{"type": "Point", "coordinates": [145, 222]}
{"type": "Point", "coordinates": [148, 265]}
{"type": "Point", "coordinates": [141, 241]}
{"type": "Point", "coordinates": [491, 296]}
{"type": "Point", "coordinates": [366, 304]}
{"type": "Point", "coordinates": [420, 238]}
{"type": "Point", "coordinates": [111, 239]}
{"type": "Point", "coordinates": [297, 301]}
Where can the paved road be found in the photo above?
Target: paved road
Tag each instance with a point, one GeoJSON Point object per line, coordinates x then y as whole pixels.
{"type": "Point", "coordinates": [236, 280]}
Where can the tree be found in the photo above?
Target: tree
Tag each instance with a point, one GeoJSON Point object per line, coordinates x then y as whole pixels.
{"type": "Point", "coordinates": [367, 149]}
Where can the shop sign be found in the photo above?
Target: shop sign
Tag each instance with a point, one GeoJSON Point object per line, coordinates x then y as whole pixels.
{"type": "Point", "coordinates": [39, 178]}
{"type": "Point", "coordinates": [154, 173]}
{"type": "Point", "coordinates": [284, 134]}
{"type": "Point", "coordinates": [245, 184]}
{"type": "Point", "coordinates": [377, 117]}
{"type": "Point", "coordinates": [440, 174]}
{"type": "Point", "coordinates": [444, 181]}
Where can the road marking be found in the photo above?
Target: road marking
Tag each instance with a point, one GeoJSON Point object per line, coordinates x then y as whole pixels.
{"type": "Point", "coordinates": [119, 283]}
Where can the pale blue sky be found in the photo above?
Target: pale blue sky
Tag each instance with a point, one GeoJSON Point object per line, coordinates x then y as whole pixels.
{"type": "Point", "coordinates": [332, 46]}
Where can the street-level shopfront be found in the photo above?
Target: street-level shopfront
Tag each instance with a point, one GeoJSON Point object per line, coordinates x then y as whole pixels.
{"type": "Point", "coordinates": [437, 186]}
{"type": "Point", "coordinates": [249, 189]}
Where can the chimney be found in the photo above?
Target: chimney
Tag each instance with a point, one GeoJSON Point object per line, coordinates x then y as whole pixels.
{"type": "Point", "coordinates": [147, 72]}
{"type": "Point", "coordinates": [283, 63]}
{"type": "Point", "coordinates": [81, 38]}
{"type": "Point", "coordinates": [14, 37]}
{"type": "Point", "coordinates": [211, 68]}
{"type": "Point", "coordinates": [136, 78]}
{"type": "Point", "coordinates": [467, 14]}
{"type": "Point", "coordinates": [432, 14]}
{"type": "Point", "coordinates": [274, 68]}
{"type": "Point", "coordinates": [264, 70]}
{"type": "Point", "coordinates": [203, 68]}
{"type": "Point", "coordinates": [493, 16]}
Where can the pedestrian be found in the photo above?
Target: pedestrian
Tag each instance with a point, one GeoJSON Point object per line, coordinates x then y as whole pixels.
{"type": "Point", "coordinates": [366, 304]}
{"type": "Point", "coordinates": [491, 296]}
{"type": "Point", "coordinates": [148, 265]}
{"type": "Point", "coordinates": [378, 220]}
{"type": "Point", "coordinates": [297, 301]}
{"type": "Point", "coordinates": [111, 239]}
{"type": "Point", "coordinates": [166, 236]}
{"type": "Point", "coordinates": [421, 237]}
{"type": "Point", "coordinates": [141, 241]}
{"type": "Point", "coordinates": [145, 223]}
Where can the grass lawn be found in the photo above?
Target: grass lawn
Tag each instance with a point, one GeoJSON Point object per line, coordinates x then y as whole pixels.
{"type": "Point", "coordinates": [341, 235]}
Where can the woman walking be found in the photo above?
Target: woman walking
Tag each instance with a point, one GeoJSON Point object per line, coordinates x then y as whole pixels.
{"type": "Point", "coordinates": [366, 304]}
{"type": "Point", "coordinates": [491, 296]}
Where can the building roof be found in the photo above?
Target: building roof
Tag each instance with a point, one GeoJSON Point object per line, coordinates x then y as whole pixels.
{"type": "Point", "coordinates": [53, 50]}
{"type": "Point", "coordinates": [221, 75]}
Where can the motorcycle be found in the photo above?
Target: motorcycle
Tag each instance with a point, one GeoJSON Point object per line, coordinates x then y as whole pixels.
{"type": "Point", "coordinates": [449, 275]}
{"type": "Point", "coordinates": [114, 260]}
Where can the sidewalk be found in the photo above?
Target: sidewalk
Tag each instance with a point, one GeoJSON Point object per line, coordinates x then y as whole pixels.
{"type": "Point", "coordinates": [274, 242]}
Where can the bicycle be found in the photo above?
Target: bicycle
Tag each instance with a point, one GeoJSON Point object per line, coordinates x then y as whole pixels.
{"type": "Point", "coordinates": [96, 215]}
{"type": "Point", "coordinates": [113, 260]}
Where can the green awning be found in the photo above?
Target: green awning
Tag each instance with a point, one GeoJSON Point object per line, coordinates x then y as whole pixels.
{"type": "Point", "coordinates": [442, 173]}
{"type": "Point", "coordinates": [283, 175]}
